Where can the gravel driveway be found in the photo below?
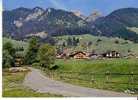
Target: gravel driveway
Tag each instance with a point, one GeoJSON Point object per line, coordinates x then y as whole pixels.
{"type": "Point", "coordinates": [37, 81]}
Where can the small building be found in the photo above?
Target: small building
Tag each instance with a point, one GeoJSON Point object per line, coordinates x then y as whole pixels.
{"type": "Point", "coordinates": [18, 61]}
{"type": "Point", "coordinates": [94, 56]}
{"type": "Point", "coordinates": [112, 54]}
{"type": "Point", "coordinates": [79, 55]}
{"type": "Point", "coordinates": [61, 56]}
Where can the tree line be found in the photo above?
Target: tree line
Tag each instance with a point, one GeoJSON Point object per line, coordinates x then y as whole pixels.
{"type": "Point", "coordinates": [43, 54]}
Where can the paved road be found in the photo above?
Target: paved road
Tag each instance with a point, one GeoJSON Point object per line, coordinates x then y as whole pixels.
{"type": "Point", "coordinates": [37, 81]}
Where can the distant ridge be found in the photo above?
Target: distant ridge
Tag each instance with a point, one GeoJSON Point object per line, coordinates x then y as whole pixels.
{"type": "Point", "coordinates": [21, 22]}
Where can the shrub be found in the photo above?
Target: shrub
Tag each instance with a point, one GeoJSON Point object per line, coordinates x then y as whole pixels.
{"type": "Point", "coordinates": [54, 67]}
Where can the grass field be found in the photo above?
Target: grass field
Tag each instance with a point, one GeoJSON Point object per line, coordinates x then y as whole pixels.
{"type": "Point", "coordinates": [123, 46]}
{"type": "Point", "coordinates": [123, 66]}
{"type": "Point", "coordinates": [12, 87]}
{"type": "Point", "coordinates": [98, 66]}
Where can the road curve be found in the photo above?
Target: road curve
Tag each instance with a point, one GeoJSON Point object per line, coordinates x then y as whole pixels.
{"type": "Point", "coordinates": [37, 81]}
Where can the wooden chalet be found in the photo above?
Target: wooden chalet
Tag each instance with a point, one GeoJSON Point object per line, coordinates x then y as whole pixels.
{"type": "Point", "coordinates": [112, 54]}
{"type": "Point", "coordinates": [79, 55]}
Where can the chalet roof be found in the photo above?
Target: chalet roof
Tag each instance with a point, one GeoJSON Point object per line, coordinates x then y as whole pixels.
{"type": "Point", "coordinates": [111, 52]}
{"type": "Point", "coordinates": [77, 52]}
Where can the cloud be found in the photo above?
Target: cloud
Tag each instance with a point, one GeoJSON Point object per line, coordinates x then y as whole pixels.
{"type": "Point", "coordinates": [58, 4]}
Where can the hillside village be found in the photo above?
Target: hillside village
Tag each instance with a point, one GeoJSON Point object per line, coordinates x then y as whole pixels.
{"type": "Point", "coordinates": [90, 47]}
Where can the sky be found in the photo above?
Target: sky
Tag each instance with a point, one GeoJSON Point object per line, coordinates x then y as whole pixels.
{"type": "Point", "coordinates": [86, 7]}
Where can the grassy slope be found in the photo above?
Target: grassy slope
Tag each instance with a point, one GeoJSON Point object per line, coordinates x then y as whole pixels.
{"type": "Point", "coordinates": [12, 86]}
{"type": "Point", "coordinates": [104, 45]}
{"type": "Point", "coordinates": [101, 67]}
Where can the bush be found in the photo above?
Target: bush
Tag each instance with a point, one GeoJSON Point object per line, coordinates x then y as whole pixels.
{"type": "Point", "coordinates": [54, 67]}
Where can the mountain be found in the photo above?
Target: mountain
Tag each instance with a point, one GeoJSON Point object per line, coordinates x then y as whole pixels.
{"type": "Point", "coordinates": [116, 24]}
{"type": "Point", "coordinates": [23, 22]}
{"type": "Point", "coordinates": [79, 14]}
{"type": "Point", "coordinates": [92, 17]}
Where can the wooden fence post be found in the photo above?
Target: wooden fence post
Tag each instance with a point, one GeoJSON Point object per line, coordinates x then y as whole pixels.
{"type": "Point", "coordinates": [92, 78]}
{"type": "Point", "coordinates": [60, 75]}
{"type": "Point", "coordinates": [132, 79]}
{"type": "Point", "coordinates": [52, 74]}
{"type": "Point", "coordinates": [107, 76]}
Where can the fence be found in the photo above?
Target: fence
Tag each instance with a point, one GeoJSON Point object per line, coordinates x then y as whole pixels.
{"type": "Point", "coordinates": [129, 79]}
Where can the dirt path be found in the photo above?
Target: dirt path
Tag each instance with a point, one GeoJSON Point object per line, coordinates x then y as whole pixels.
{"type": "Point", "coordinates": [37, 81]}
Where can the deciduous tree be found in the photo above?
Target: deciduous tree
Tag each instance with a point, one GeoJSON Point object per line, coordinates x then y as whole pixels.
{"type": "Point", "coordinates": [46, 55]}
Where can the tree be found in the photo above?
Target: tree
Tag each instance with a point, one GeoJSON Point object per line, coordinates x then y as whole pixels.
{"type": "Point", "coordinates": [7, 60]}
{"type": "Point", "coordinates": [77, 40]}
{"type": "Point", "coordinates": [99, 40]}
{"type": "Point", "coordinates": [69, 41]}
{"type": "Point", "coordinates": [46, 55]}
{"type": "Point", "coordinates": [64, 44]}
{"type": "Point", "coordinates": [8, 55]}
{"type": "Point", "coordinates": [89, 43]}
{"type": "Point", "coordinates": [10, 49]}
{"type": "Point", "coordinates": [116, 41]}
{"type": "Point", "coordinates": [31, 55]}
{"type": "Point", "coordinates": [74, 41]}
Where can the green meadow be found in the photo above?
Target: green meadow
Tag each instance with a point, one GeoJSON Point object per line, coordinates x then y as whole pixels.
{"type": "Point", "coordinates": [99, 68]}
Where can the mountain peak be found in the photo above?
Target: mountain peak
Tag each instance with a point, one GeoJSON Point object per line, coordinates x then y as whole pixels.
{"type": "Point", "coordinates": [38, 9]}
{"type": "Point", "coordinates": [79, 14]}
{"type": "Point", "coordinates": [93, 16]}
